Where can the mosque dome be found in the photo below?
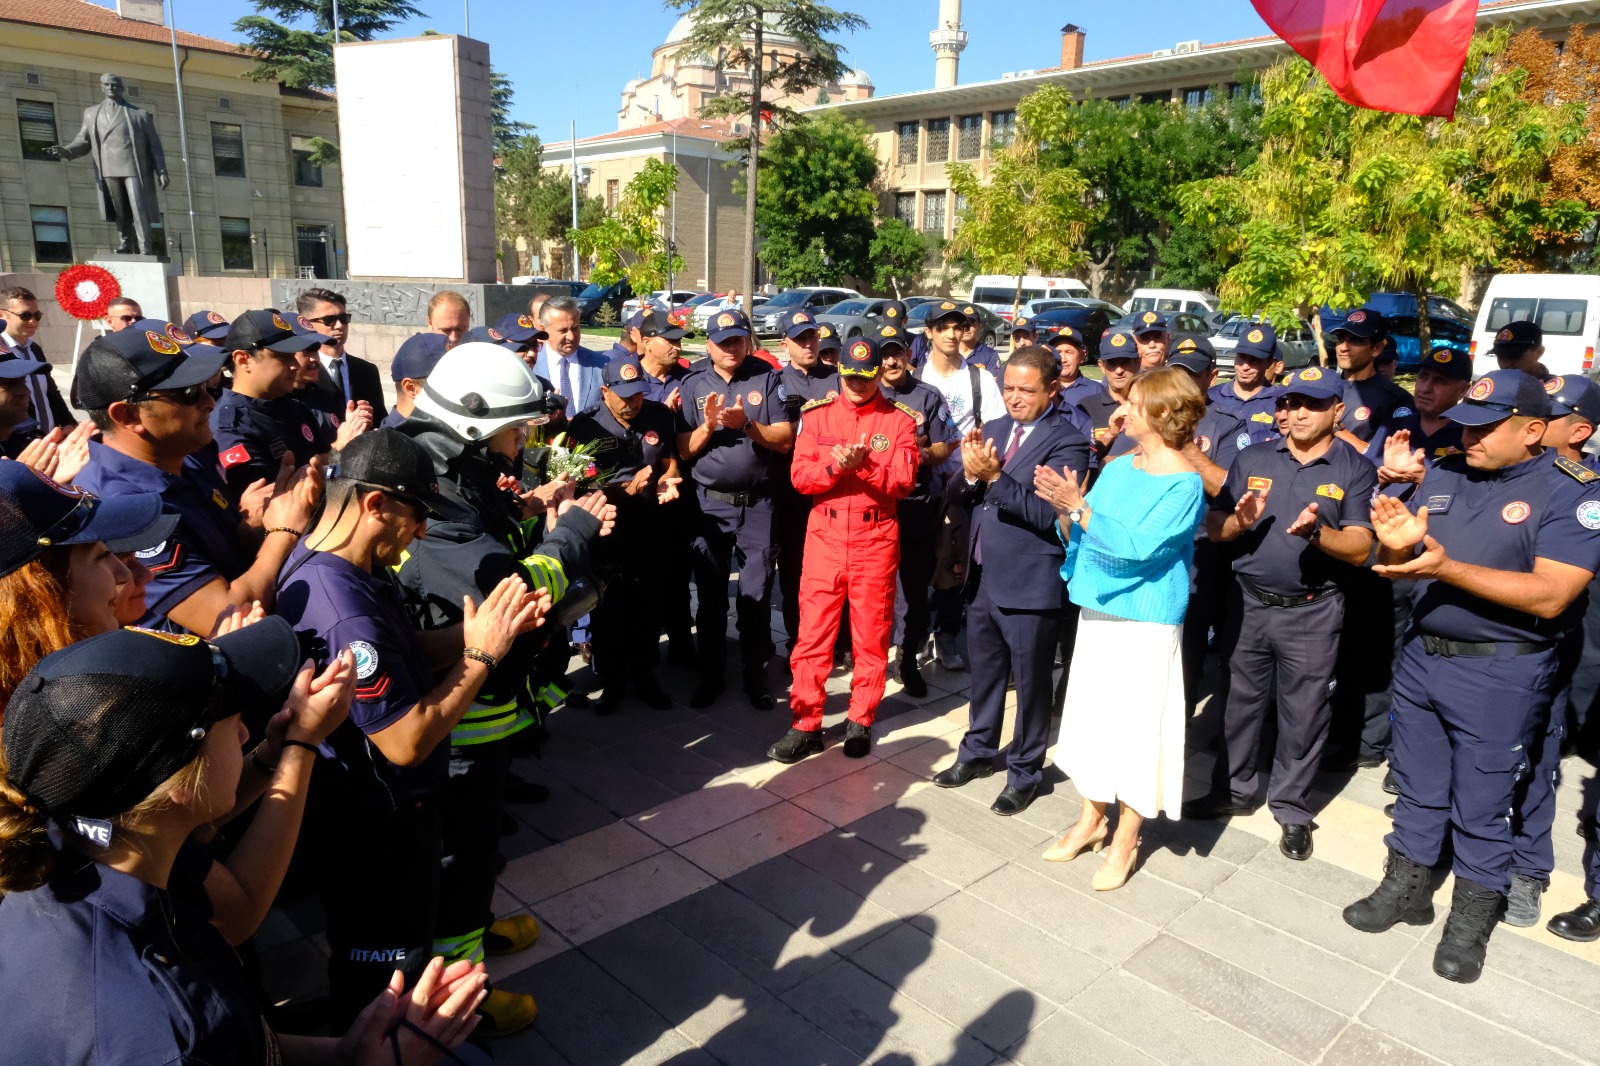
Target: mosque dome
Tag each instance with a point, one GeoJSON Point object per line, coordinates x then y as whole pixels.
{"type": "Point", "coordinates": [856, 77]}
{"type": "Point", "coordinates": [680, 32]}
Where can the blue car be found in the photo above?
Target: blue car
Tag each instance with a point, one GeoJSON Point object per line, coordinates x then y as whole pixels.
{"type": "Point", "coordinates": [1449, 324]}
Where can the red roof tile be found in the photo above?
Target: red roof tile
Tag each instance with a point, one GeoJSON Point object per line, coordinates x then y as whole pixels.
{"type": "Point", "coordinates": [85, 17]}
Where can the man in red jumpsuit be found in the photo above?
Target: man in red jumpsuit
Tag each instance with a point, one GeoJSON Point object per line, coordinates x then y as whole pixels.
{"type": "Point", "coordinates": [856, 457]}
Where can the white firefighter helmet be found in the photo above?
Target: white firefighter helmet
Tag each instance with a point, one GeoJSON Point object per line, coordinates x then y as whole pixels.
{"type": "Point", "coordinates": [478, 388]}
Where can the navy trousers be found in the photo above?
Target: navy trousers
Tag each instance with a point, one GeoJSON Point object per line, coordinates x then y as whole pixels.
{"type": "Point", "coordinates": [1005, 643]}
{"type": "Point", "coordinates": [1533, 853]}
{"type": "Point", "coordinates": [726, 536]}
{"type": "Point", "coordinates": [1462, 725]}
{"type": "Point", "coordinates": [917, 536]}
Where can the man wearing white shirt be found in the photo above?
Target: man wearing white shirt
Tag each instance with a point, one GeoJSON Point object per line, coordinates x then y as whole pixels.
{"type": "Point", "coordinates": [20, 310]}
{"type": "Point", "coordinates": [575, 371]}
{"type": "Point", "coordinates": [344, 378]}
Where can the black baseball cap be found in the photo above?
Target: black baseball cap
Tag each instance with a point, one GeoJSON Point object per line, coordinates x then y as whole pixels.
{"type": "Point", "coordinates": [1514, 338]}
{"type": "Point", "coordinates": [861, 358]}
{"type": "Point", "coordinates": [491, 335]}
{"type": "Point", "coordinates": [387, 459]}
{"type": "Point", "coordinates": [1574, 394]}
{"type": "Point", "coordinates": [1118, 344]}
{"type": "Point", "coordinates": [36, 513]}
{"type": "Point", "coordinates": [1450, 362]}
{"type": "Point", "coordinates": [797, 322]}
{"type": "Point", "coordinates": [1362, 322]}
{"type": "Point", "coordinates": [21, 368]}
{"type": "Point", "coordinates": [207, 324]}
{"type": "Point", "coordinates": [270, 330]}
{"type": "Point", "coordinates": [1021, 326]}
{"type": "Point", "coordinates": [894, 312]}
{"type": "Point", "coordinates": [726, 325]}
{"type": "Point", "coordinates": [949, 309]}
{"type": "Point", "coordinates": [653, 322]}
{"type": "Point", "coordinates": [150, 355]}
{"type": "Point", "coordinates": [96, 727]}
{"type": "Point", "coordinates": [1194, 354]}
{"type": "Point", "coordinates": [1063, 335]}
{"type": "Point", "coordinates": [625, 376]}
{"type": "Point", "coordinates": [1500, 394]}
{"type": "Point", "coordinates": [827, 338]}
{"type": "Point", "coordinates": [1315, 382]}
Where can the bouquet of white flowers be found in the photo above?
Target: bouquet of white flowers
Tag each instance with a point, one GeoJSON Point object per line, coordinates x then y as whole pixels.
{"type": "Point", "coordinates": [577, 464]}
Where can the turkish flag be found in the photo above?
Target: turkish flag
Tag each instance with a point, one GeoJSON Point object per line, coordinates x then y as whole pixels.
{"type": "Point", "coordinates": [1387, 55]}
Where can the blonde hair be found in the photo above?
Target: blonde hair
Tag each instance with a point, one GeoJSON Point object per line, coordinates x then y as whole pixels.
{"type": "Point", "coordinates": [1171, 402]}
{"type": "Point", "coordinates": [35, 618]}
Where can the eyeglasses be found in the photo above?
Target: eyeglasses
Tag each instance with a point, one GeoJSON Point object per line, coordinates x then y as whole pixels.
{"type": "Point", "coordinates": [182, 397]}
{"type": "Point", "coordinates": [1320, 403]}
{"type": "Point", "coordinates": [124, 318]}
{"type": "Point", "coordinates": [28, 316]}
{"type": "Point", "coordinates": [330, 321]}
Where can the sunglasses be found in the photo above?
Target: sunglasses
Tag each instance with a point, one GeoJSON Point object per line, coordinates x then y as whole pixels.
{"type": "Point", "coordinates": [1295, 400]}
{"type": "Point", "coordinates": [124, 318]}
{"type": "Point", "coordinates": [28, 316]}
{"type": "Point", "coordinates": [332, 320]}
{"type": "Point", "coordinates": [182, 397]}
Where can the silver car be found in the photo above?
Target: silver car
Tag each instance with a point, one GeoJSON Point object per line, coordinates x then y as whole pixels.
{"type": "Point", "coordinates": [853, 317]}
{"type": "Point", "coordinates": [1297, 346]}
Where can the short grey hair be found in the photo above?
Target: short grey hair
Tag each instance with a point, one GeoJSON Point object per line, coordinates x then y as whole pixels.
{"type": "Point", "coordinates": [558, 303]}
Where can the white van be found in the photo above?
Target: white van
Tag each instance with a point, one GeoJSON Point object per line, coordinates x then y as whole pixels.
{"type": "Point", "coordinates": [1168, 301]}
{"type": "Point", "coordinates": [1565, 306]}
{"type": "Point", "coordinates": [998, 292]}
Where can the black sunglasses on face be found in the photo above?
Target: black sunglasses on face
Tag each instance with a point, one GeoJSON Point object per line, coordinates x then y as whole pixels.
{"type": "Point", "coordinates": [28, 316]}
{"type": "Point", "coordinates": [124, 318]}
{"type": "Point", "coordinates": [182, 397]}
{"type": "Point", "coordinates": [332, 320]}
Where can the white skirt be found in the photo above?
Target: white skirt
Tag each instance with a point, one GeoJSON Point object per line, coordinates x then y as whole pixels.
{"type": "Point", "coordinates": [1122, 725]}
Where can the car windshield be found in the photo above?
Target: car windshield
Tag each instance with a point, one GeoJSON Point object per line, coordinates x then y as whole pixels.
{"type": "Point", "coordinates": [847, 307]}
{"type": "Point", "coordinates": [789, 299]}
{"type": "Point", "coordinates": [705, 297]}
{"type": "Point", "coordinates": [594, 289]}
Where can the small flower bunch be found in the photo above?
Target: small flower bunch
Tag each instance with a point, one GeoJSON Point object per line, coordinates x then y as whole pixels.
{"type": "Point", "coordinates": [577, 464]}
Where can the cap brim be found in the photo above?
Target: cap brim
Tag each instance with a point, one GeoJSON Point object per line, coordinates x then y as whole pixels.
{"type": "Point", "coordinates": [297, 343]}
{"type": "Point", "coordinates": [860, 373]}
{"type": "Point", "coordinates": [1310, 394]}
{"type": "Point", "coordinates": [1142, 330]}
{"type": "Point", "coordinates": [626, 388]}
{"type": "Point", "coordinates": [21, 368]}
{"type": "Point", "coordinates": [118, 518]}
{"type": "Point", "coordinates": [727, 334]}
{"type": "Point", "coordinates": [1467, 413]}
{"type": "Point", "coordinates": [199, 366]}
{"type": "Point", "coordinates": [794, 331]}
{"type": "Point", "coordinates": [262, 658]}
{"type": "Point", "coordinates": [1250, 353]}
{"type": "Point", "coordinates": [157, 534]}
{"type": "Point", "coordinates": [1197, 365]}
{"type": "Point", "coordinates": [1511, 347]}
{"type": "Point", "coordinates": [215, 333]}
{"type": "Point", "coordinates": [675, 333]}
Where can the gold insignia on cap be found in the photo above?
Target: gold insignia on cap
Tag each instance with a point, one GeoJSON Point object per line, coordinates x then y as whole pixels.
{"type": "Point", "coordinates": [861, 350]}
{"type": "Point", "coordinates": [281, 324]}
{"type": "Point", "coordinates": [889, 331]}
{"type": "Point", "coordinates": [1357, 316]}
{"type": "Point", "coordinates": [179, 335]}
{"type": "Point", "coordinates": [824, 330]}
{"type": "Point", "coordinates": [725, 320]}
{"type": "Point", "coordinates": [947, 306]}
{"type": "Point", "coordinates": [1254, 336]}
{"type": "Point", "coordinates": [215, 319]}
{"type": "Point", "coordinates": [525, 321]}
{"type": "Point", "coordinates": [1118, 340]}
{"type": "Point", "coordinates": [161, 342]}
{"type": "Point", "coordinates": [1504, 334]}
{"type": "Point", "coordinates": [496, 334]}
{"type": "Point", "coordinates": [1553, 386]}
{"type": "Point", "coordinates": [1443, 355]}
{"type": "Point", "coordinates": [1149, 316]}
{"type": "Point", "coordinates": [1481, 389]}
{"type": "Point", "coordinates": [1311, 373]}
{"type": "Point", "coordinates": [892, 312]}
{"type": "Point", "coordinates": [799, 316]}
{"type": "Point", "coordinates": [628, 372]}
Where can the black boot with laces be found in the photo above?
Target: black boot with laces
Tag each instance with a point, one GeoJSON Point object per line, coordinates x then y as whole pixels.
{"type": "Point", "coordinates": [1474, 911]}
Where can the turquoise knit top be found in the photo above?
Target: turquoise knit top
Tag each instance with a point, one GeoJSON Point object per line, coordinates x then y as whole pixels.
{"type": "Point", "coordinates": [1133, 561]}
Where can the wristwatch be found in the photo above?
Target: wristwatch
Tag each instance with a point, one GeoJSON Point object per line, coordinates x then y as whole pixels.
{"type": "Point", "coordinates": [1076, 514]}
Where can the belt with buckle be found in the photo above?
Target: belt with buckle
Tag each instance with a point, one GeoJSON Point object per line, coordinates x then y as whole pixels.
{"type": "Point", "coordinates": [737, 499]}
{"type": "Point", "coordinates": [1272, 599]}
{"type": "Point", "coordinates": [1450, 648]}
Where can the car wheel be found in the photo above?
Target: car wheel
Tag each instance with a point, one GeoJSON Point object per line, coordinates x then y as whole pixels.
{"type": "Point", "coordinates": [988, 338]}
{"type": "Point", "coordinates": [854, 333]}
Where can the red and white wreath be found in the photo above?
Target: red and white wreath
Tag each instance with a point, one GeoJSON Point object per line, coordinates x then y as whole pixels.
{"type": "Point", "coordinates": [85, 292]}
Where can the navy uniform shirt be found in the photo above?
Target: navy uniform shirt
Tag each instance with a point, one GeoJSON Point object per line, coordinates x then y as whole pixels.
{"type": "Point", "coordinates": [732, 462]}
{"type": "Point", "coordinates": [253, 436]}
{"type": "Point", "coordinates": [623, 450]}
{"type": "Point", "coordinates": [205, 545]}
{"type": "Point", "coordinates": [1100, 406]}
{"type": "Point", "coordinates": [1441, 445]}
{"type": "Point", "coordinates": [1505, 519]}
{"type": "Point", "coordinates": [1340, 482]}
{"type": "Point", "coordinates": [334, 604]}
{"type": "Point", "coordinates": [925, 404]}
{"type": "Point", "coordinates": [393, 419]}
{"type": "Point", "coordinates": [800, 387]}
{"type": "Point", "coordinates": [1258, 413]}
{"type": "Point", "coordinates": [100, 967]}
{"type": "Point", "coordinates": [658, 389]}
{"type": "Point", "coordinates": [985, 357]}
{"type": "Point", "coordinates": [1374, 408]}
{"type": "Point", "coordinates": [1080, 390]}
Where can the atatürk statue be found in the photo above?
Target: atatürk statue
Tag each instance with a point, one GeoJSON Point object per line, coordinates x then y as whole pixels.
{"type": "Point", "coordinates": [128, 163]}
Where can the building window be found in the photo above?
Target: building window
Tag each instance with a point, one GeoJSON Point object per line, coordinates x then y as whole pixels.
{"type": "Point", "coordinates": [37, 120]}
{"type": "Point", "coordinates": [958, 204]}
{"type": "Point", "coordinates": [238, 253]}
{"type": "Point", "coordinates": [1003, 127]}
{"type": "Point", "coordinates": [933, 212]}
{"type": "Point", "coordinates": [938, 140]}
{"type": "Point", "coordinates": [311, 251]}
{"type": "Point", "coordinates": [227, 149]}
{"type": "Point", "coordinates": [905, 208]}
{"type": "Point", "coordinates": [611, 194]}
{"type": "Point", "coordinates": [1119, 101]}
{"type": "Point", "coordinates": [306, 172]}
{"type": "Point", "coordinates": [969, 142]}
{"type": "Point", "coordinates": [52, 243]}
{"type": "Point", "coordinates": [1193, 99]}
{"type": "Point", "coordinates": [908, 143]}
{"type": "Point", "coordinates": [1155, 98]}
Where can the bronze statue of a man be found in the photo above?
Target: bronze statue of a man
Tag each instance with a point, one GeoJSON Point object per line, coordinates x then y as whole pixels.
{"type": "Point", "coordinates": [128, 163]}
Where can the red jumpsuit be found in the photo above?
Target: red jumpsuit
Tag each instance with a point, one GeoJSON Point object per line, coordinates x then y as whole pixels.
{"type": "Point", "coordinates": [852, 547]}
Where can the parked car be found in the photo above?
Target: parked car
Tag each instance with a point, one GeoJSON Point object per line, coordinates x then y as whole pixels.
{"type": "Point", "coordinates": [1449, 324]}
{"type": "Point", "coordinates": [1035, 308]}
{"type": "Point", "coordinates": [1180, 324]}
{"type": "Point", "coordinates": [1168, 301]}
{"type": "Point", "coordinates": [807, 298]}
{"type": "Point", "coordinates": [852, 318]}
{"type": "Point", "coordinates": [1566, 308]}
{"type": "Point", "coordinates": [1001, 293]}
{"type": "Point", "coordinates": [721, 301]}
{"type": "Point", "coordinates": [1297, 346]}
{"type": "Point", "coordinates": [591, 299]}
{"type": "Point", "coordinates": [995, 329]}
{"type": "Point", "coordinates": [659, 298]}
{"type": "Point", "coordinates": [1091, 322]}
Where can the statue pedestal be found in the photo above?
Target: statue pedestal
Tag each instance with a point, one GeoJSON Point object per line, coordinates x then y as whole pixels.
{"type": "Point", "coordinates": [143, 277]}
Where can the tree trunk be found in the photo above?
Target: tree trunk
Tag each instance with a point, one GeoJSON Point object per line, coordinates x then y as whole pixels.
{"type": "Point", "coordinates": [1424, 328]}
{"type": "Point", "coordinates": [751, 168]}
{"type": "Point", "coordinates": [1316, 334]}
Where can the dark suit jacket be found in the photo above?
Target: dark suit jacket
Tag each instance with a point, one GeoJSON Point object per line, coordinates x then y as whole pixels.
{"type": "Point", "coordinates": [60, 413]}
{"type": "Point", "coordinates": [366, 383]}
{"type": "Point", "coordinates": [1021, 549]}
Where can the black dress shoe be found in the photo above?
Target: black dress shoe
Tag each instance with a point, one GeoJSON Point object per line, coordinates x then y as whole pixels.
{"type": "Point", "coordinates": [910, 676]}
{"type": "Point", "coordinates": [610, 699]}
{"type": "Point", "coordinates": [962, 772]}
{"type": "Point", "coordinates": [1388, 810]}
{"type": "Point", "coordinates": [578, 699]}
{"type": "Point", "coordinates": [1212, 807]}
{"type": "Point", "coordinates": [1582, 923]}
{"type": "Point", "coordinates": [521, 790]}
{"type": "Point", "coordinates": [1013, 801]}
{"type": "Point", "coordinates": [1390, 785]}
{"type": "Point", "coordinates": [1367, 762]}
{"type": "Point", "coordinates": [706, 693]}
{"type": "Point", "coordinates": [796, 745]}
{"type": "Point", "coordinates": [857, 740]}
{"type": "Point", "coordinates": [1295, 843]}
{"type": "Point", "coordinates": [756, 692]}
{"type": "Point", "coordinates": [650, 693]}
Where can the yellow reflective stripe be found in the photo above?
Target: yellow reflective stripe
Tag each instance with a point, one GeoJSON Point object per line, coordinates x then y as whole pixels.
{"type": "Point", "coordinates": [455, 948]}
{"type": "Point", "coordinates": [485, 730]}
{"type": "Point", "coordinates": [547, 573]}
{"type": "Point", "coordinates": [485, 710]}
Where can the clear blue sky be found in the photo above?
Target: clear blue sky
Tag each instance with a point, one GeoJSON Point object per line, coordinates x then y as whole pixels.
{"type": "Point", "coordinates": [570, 60]}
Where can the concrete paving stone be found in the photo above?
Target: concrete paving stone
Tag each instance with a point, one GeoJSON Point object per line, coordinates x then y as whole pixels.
{"type": "Point", "coordinates": [549, 944]}
{"type": "Point", "coordinates": [1360, 1046]}
{"type": "Point", "coordinates": [1446, 1032]}
{"type": "Point", "coordinates": [1268, 1012]}
{"type": "Point", "coordinates": [752, 839]}
{"type": "Point", "coordinates": [580, 914]}
{"type": "Point", "coordinates": [525, 840]}
{"type": "Point", "coordinates": [812, 903]}
{"type": "Point", "coordinates": [1055, 970]}
{"type": "Point", "coordinates": [1167, 1028]}
{"type": "Point", "coordinates": [529, 1046]}
{"type": "Point", "coordinates": [1545, 966]}
{"type": "Point", "coordinates": [566, 814]}
{"type": "Point", "coordinates": [1277, 956]}
{"type": "Point", "coordinates": [922, 756]}
{"type": "Point", "coordinates": [728, 748]}
{"type": "Point", "coordinates": [955, 986]}
{"type": "Point", "coordinates": [908, 834]}
{"type": "Point", "coordinates": [965, 812]}
{"type": "Point", "coordinates": [597, 729]}
{"type": "Point", "coordinates": [664, 760]}
{"type": "Point", "coordinates": [873, 873]}
{"type": "Point", "coordinates": [688, 816]}
{"type": "Point", "coordinates": [770, 1033]}
{"type": "Point", "coordinates": [1197, 855]}
{"type": "Point", "coordinates": [620, 789]}
{"type": "Point", "coordinates": [503, 903]}
{"type": "Point", "coordinates": [1064, 1039]}
{"type": "Point", "coordinates": [865, 1014]}
{"type": "Point", "coordinates": [573, 862]}
{"type": "Point", "coordinates": [1083, 922]}
{"type": "Point", "coordinates": [1145, 896]}
{"type": "Point", "coordinates": [1055, 809]}
{"type": "Point", "coordinates": [1313, 919]}
{"type": "Point", "coordinates": [854, 796]}
{"type": "Point", "coordinates": [750, 938]}
{"type": "Point", "coordinates": [1317, 877]}
{"type": "Point", "coordinates": [809, 773]}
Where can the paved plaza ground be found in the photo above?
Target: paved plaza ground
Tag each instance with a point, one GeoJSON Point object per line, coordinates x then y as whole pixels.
{"type": "Point", "coordinates": [701, 904]}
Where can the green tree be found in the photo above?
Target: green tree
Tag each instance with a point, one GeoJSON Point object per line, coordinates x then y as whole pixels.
{"type": "Point", "coordinates": [1030, 217]}
{"type": "Point", "coordinates": [507, 130]}
{"type": "Point", "coordinates": [631, 242]}
{"type": "Point", "coordinates": [898, 255]}
{"type": "Point", "coordinates": [731, 33]}
{"type": "Point", "coordinates": [534, 203]}
{"type": "Point", "coordinates": [301, 55]}
{"type": "Point", "coordinates": [815, 204]}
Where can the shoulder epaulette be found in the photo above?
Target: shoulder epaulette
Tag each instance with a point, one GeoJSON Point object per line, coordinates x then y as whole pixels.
{"type": "Point", "coordinates": [1575, 470]}
{"type": "Point", "coordinates": [809, 404]}
{"type": "Point", "coordinates": [909, 411]}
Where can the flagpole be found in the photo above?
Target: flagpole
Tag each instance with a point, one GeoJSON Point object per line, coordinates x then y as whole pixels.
{"type": "Point", "coordinates": [183, 140]}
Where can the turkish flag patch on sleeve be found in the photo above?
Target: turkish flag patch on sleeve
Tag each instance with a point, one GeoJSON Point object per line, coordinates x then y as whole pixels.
{"type": "Point", "coordinates": [234, 456]}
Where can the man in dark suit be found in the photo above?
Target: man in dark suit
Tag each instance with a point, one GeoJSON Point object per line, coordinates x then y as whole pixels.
{"type": "Point", "coordinates": [344, 378]}
{"type": "Point", "coordinates": [1015, 602]}
{"type": "Point", "coordinates": [19, 309]}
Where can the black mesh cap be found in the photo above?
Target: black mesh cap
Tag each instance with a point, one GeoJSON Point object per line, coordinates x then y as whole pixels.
{"type": "Point", "coordinates": [387, 459]}
{"type": "Point", "coordinates": [98, 726]}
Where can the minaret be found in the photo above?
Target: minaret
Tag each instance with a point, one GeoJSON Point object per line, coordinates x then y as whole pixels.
{"type": "Point", "coordinates": [947, 41]}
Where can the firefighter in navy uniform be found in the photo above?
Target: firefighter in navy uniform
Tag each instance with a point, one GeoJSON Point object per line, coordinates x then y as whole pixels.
{"type": "Point", "coordinates": [471, 418]}
{"type": "Point", "coordinates": [1502, 546]}
{"type": "Point", "coordinates": [806, 378]}
{"type": "Point", "coordinates": [1251, 396]}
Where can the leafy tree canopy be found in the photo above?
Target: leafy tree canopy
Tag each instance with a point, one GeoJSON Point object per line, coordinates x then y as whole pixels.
{"type": "Point", "coordinates": [294, 38]}
{"type": "Point", "coordinates": [631, 242]}
{"type": "Point", "coordinates": [814, 201]}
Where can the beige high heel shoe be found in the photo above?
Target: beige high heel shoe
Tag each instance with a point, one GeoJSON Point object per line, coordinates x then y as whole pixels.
{"type": "Point", "coordinates": [1056, 853]}
{"type": "Point", "coordinates": [1109, 878]}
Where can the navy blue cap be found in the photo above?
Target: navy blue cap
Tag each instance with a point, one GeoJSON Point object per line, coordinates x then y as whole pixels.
{"type": "Point", "coordinates": [949, 309]}
{"type": "Point", "coordinates": [207, 324]}
{"type": "Point", "coordinates": [1315, 382]}
{"type": "Point", "coordinates": [1498, 395]}
{"type": "Point", "coordinates": [39, 514]}
{"type": "Point", "coordinates": [270, 330]}
{"type": "Point", "coordinates": [827, 338]}
{"type": "Point", "coordinates": [725, 325]}
{"type": "Point", "coordinates": [891, 336]}
{"type": "Point", "coordinates": [1150, 322]}
{"type": "Point", "coordinates": [624, 376]}
{"type": "Point", "coordinates": [633, 320]}
{"type": "Point", "coordinates": [1194, 354]}
{"type": "Point", "coordinates": [861, 358]}
{"type": "Point", "coordinates": [21, 368]}
{"type": "Point", "coordinates": [149, 355]}
{"type": "Point", "coordinates": [98, 726]}
{"type": "Point", "coordinates": [491, 335]}
{"type": "Point", "coordinates": [1362, 322]}
{"type": "Point", "coordinates": [894, 312]}
{"type": "Point", "coordinates": [1260, 341]}
{"type": "Point", "coordinates": [1118, 344]}
{"type": "Point", "coordinates": [520, 328]}
{"type": "Point", "coordinates": [797, 322]}
{"type": "Point", "coordinates": [1574, 394]}
{"type": "Point", "coordinates": [1515, 338]}
{"type": "Point", "coordinates": [654, 322]}
{"type": "Point", "coordinates": [418, 356]}
{"type": "Point", "coordinates": [1021, 326]}
{"type": "Point", "coordinates": [1063, 335]}
{"type": "Point", "coordinates": [1449, 362]}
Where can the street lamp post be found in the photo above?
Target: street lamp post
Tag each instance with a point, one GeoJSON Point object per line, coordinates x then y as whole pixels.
{"type": "Point", "coordinates": [710, 281]}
